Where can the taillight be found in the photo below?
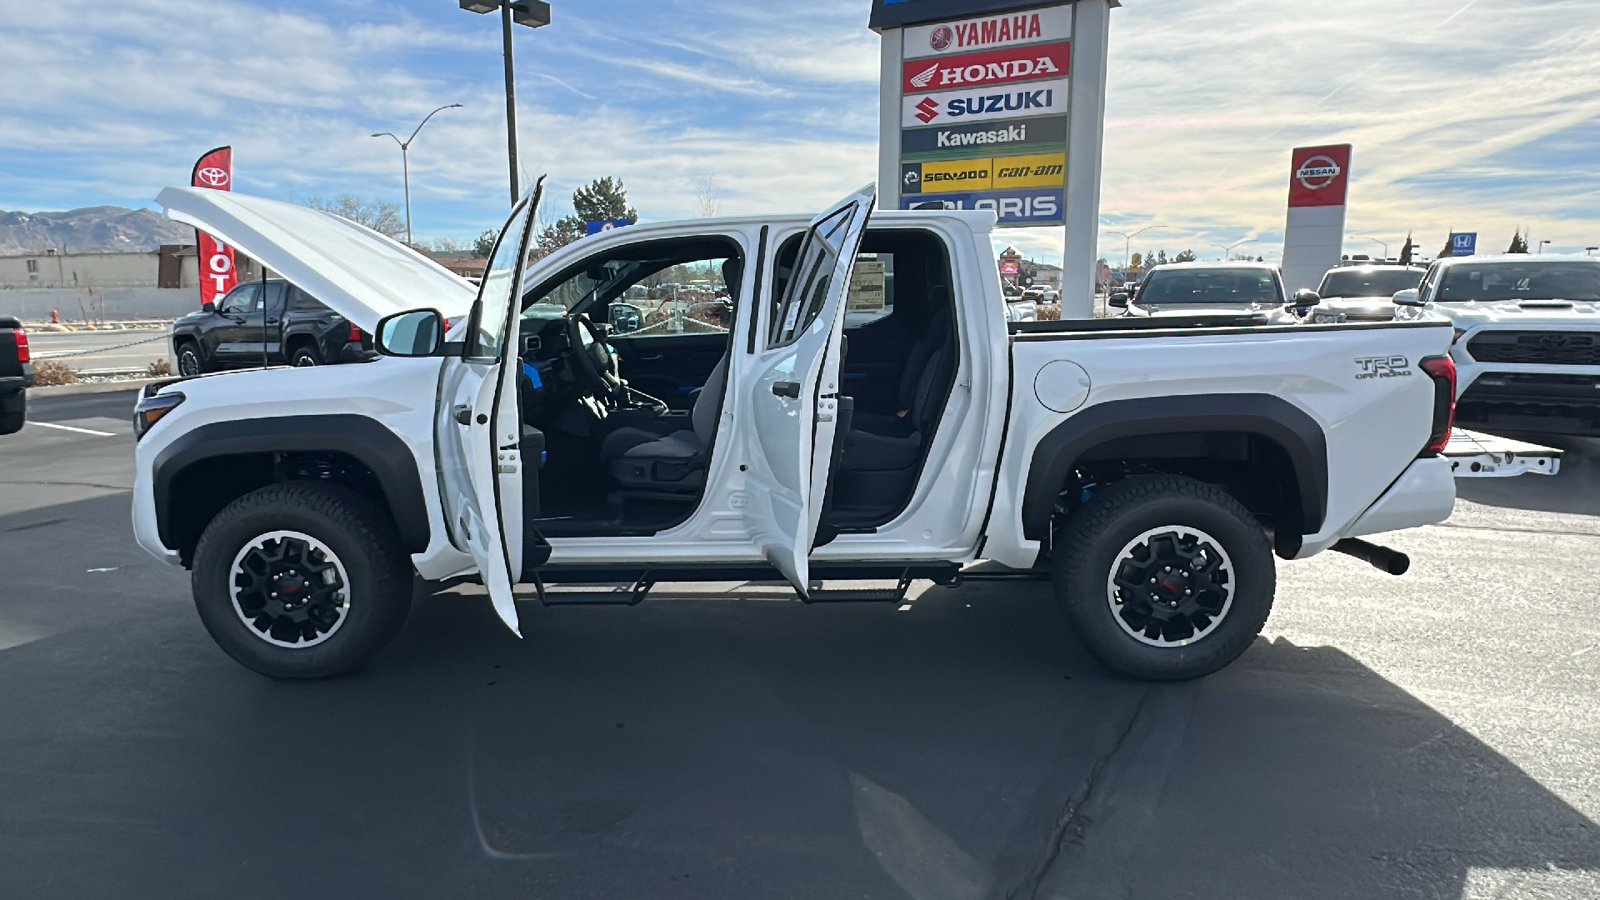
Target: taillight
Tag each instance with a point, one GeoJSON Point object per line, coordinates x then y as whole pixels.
{"type": "Point", "coordinates": [355, 334]}
{"type": "Point", "coordinates": [1442, 369]}
{"type": "Point", "coordinates": [21, 337]}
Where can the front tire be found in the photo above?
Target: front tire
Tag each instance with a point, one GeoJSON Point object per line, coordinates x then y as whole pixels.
{"type": "Point", "coordinates": [302, 580]}
{"type": "Point", "coordinates": [190, 362]}
{"type": "Point", "coordinates": [1165, 578]}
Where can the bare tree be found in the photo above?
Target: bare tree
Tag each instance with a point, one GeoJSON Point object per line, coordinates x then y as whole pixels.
{"type": "Point", "coordinates": [379, 215]}
{"type": "Point", "coordinates": [705, 195]}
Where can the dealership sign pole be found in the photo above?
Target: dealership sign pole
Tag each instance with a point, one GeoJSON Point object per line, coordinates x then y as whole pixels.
{"type": "Point", "coordinates": [1313, 237]}
{"type": "Point", "coordinates": [218, 274]}
{"type": "Point", "coordinates": [998, 105]}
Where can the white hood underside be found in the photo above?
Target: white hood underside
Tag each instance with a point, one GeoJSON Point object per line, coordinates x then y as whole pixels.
{"type": "Point", "coordinates": [355, 271]}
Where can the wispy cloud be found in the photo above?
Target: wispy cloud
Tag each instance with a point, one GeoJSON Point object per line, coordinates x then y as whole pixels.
{"type": "Point", "coordinates": [1474, 115]}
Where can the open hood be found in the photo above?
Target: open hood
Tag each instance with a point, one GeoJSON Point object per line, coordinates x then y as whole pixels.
{"type": "Point", "coordinates": [355, 271]}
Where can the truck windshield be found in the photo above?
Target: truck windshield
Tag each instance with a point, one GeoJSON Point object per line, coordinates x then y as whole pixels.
{"type": "Point", "coordinates": [1215, 287]}
{"type": "Point", "coordinates": [1531, 280]}
{"type": "Point", "coordinates": [1369, 282]}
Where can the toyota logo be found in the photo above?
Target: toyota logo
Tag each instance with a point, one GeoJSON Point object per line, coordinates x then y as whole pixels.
{"type": "Point", "coordinates": [1555, 342]}
{"type": "Point", "coordinates": [941, 38]}
{"type": "Point", "coordinates": [212, 176]}
{"type": "Point", "coordinates": [1318, 172]}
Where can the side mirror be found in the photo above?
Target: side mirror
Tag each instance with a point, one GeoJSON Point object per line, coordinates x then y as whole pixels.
{"type": "Point", "coordinates": [419, 332]}
{"type": "Point", "coordinates": [1305, 298]}
{"type": "Point", "coordinates": [1408, 298]}
{"type": "Point", "coordinates": [208, 306]}
{"type": "Point", "coordinates": [1118, 299]}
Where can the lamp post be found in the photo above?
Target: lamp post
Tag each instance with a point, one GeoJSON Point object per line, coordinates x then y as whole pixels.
{"type": "Point", "coordinates": [1376, 241]}
{"type": "Point", "coordinates": [405, 164]}
{"type": "Point", "coordinates": [1589, 251]}
{"type": "Point", "coordinates": [532, 13]}
{"type": "Point", "coordinates": [1127, 245]}
{"type": "Point", "coordinates": [1228, 250]}
{"type": "Point", "coordinates": [1541, 246]}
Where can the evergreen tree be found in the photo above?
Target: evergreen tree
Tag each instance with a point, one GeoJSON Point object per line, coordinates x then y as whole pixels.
{"type": "Point", "coordinates": [604, 198]}
{"type": "Point", "coordinates": [1519, 244]}
{"type": "Point", "coordinates": [1407, 251]}
{"type": "Point", "coordinates": [1185, 256]}
{"type": "Point", "coordinates": [1449, 247]}
{"type": "Point", "coordinates": [484, 243]}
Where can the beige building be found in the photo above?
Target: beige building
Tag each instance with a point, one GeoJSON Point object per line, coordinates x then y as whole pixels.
{"type": "Point", "coordinates": [172, 266]}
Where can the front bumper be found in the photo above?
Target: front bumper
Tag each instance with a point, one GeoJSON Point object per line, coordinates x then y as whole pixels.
{"type": "Point", "coordinates": [1548, 402]}
{"type": "Point", "coordinates": [355, 353]}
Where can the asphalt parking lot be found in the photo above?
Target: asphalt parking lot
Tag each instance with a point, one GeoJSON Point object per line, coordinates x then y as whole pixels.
{"type": "Point", "coordinates": [129, 349]}
{"type": "Point", "coordinates": [1430, 736]}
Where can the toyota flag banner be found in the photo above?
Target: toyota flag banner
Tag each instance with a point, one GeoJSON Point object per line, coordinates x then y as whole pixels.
{"type": "Point", "coordinates": [217, 273]}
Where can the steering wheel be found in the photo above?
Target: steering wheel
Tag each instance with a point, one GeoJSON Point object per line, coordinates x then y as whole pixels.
{"type": "Point", "coordinates": [596, 365]}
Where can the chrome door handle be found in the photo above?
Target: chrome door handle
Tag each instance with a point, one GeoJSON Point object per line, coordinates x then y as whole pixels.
{"type": "Point", "coordinates": [464, 415]}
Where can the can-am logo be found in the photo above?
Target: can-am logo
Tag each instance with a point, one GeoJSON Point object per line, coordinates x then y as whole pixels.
{"type": "Point", "coordinates": [1317, 172]}
{"type": "Point", "coordinates": [928, 109]}
{"type": "Point", "coordinates": [212, 176]}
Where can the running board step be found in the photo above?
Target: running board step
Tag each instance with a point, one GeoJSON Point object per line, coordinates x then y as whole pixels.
{"type": "Point", "coordinates": [599, 595]}
{"type": "Point", "coordinates": [895, 594]}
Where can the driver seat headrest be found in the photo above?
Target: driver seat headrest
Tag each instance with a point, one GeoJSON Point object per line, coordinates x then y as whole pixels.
{"type": "Point", "coordinates": [731, 270]}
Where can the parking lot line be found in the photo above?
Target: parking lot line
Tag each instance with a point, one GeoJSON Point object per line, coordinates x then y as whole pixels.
{"type": "Point", "coordinates": [71, 428]}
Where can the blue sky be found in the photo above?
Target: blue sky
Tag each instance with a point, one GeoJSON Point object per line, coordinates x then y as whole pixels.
{"type": "Point", "coordinates": [1468, 114]}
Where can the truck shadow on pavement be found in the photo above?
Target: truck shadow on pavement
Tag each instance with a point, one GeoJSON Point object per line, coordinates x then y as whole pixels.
{"type": "Point", "coordinates": [967, 748]}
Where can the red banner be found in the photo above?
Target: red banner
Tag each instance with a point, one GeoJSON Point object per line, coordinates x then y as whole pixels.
{"type": "Point", "coordinates": [1011, 64]}
{"type": "Point", "coordinates": [218, 275]}
{"type": "Point", "coordinates": [1319, 176]}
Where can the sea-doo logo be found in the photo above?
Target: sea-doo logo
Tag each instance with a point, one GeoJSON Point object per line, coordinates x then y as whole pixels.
{"type": "Point", "coordinates": [912, 178]}
{"type": "Point", "coordinates": [980, 173]}
{"type": "Point", "coordinates": [212, 176]}
{"type": "Point", "coordinates": [928, 110]}
{"type": "Point", "coordinates": [1383, 367]}
{"type": "Point", "coordinates": [1318, 172]}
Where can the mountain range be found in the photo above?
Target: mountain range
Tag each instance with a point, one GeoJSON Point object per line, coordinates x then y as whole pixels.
{"type": "Point", "coordinates": [93, 229]}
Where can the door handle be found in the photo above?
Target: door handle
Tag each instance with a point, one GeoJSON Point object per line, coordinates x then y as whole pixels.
{"type": "Point", "coordinates": [464, 415]}
{"type": "Point", "coordinates": [790, 389]}
{"type": "Point", "coordinates": [272, 321]}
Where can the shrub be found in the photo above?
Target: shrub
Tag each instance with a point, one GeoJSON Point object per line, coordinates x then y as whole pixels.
{"type": "Point", "coordinates": [158, 369]}
{"type": "Point", "coordinates": [50, 372]}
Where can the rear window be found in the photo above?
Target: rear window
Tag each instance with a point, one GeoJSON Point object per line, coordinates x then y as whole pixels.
{"type": "Point", "coordinates": [1369, 282]}
{"type": "Point", "coordinates": [1530, 280]}
{"type": "Point", "coordinates": [1221, 287]}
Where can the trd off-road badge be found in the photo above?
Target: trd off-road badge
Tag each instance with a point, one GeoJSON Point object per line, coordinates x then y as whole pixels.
{"type": "Point", "coordinates": [1383, 367]}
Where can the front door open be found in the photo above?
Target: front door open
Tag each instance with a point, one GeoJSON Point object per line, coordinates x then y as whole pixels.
{"type": "Point", "coordinates": [794, 392]}
{"type": "Point", "coordinates": [477, 425]}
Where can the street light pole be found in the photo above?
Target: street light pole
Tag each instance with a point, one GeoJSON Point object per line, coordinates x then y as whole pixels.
{"type": "Point", "coordinates": [1376, 241]}
{"type": "Point", "coordinates": [1541, 246]}
{"type": "Point", "coordinates": [1127, 245]}
{"type": "Point", "coordinates": [1228, 251]}
{"type": "Point", "coordinates": [405, 163]}
{"type": "Point", "coordinates": [532, 13]}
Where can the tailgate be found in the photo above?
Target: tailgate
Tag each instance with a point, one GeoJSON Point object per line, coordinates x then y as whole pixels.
{"type": "Point", "coordinates": [1476, 455]}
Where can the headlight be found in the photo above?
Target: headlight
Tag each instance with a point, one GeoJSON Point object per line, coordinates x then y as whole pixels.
{"type": "Point", "coordinates": [151, 410]}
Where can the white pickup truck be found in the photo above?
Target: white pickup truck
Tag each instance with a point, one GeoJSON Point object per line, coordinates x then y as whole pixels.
{"type": "Point", "coordinates": [1151, 467]}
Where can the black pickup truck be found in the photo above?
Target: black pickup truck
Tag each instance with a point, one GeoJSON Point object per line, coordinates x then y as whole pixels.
{"type": "Point", "coordinates": [271, 322]}
{"type": "Point", "coordinates": [16, 375]}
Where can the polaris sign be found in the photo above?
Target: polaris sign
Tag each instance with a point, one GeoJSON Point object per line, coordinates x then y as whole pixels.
{"type": "Point", "coordinates": [1014, 208]}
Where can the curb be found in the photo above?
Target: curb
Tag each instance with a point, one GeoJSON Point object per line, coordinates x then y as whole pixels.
{"type": "Point", "coordinates": [104, 387]}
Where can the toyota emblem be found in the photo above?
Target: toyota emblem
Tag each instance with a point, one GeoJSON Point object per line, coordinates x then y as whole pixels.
{"type": "Point", "coordinates": [1555, 342]}
{"type": "Point", "coordinates": [941, 38]}
{"type": "Point", "coordinates": [1318, 172]}
{"type": "Point", "coordinates": [212, 176]}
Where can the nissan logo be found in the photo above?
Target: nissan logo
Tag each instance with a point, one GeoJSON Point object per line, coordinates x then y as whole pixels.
{"type": "Point", "coordinates": [212, 176]}
{"type": "Point", "coordinates": [1318, 172]}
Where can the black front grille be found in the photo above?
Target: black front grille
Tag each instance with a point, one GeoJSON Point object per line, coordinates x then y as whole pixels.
{"type": "Point", "coordinates": [1555, 348]}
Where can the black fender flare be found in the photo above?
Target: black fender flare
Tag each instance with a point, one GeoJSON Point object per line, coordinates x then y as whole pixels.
{"type": "Point", "coordinates": [365, 439]}
{"type": "Point", "coordinates": [1264, 415]}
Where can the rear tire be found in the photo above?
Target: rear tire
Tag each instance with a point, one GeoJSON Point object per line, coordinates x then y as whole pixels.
{"type": "Point", "coordinates": [11, 420]}
{"type": "Point", "coordinates": [1165, 578]}
{"type": "Point", "coordinates": [302, 580]}
{"type": "Point", "coordinates": [305, 355]}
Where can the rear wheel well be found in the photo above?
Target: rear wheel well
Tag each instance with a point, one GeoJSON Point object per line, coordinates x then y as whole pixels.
{"type": "Point", "coordinates": [295, 341]}
{"type": "Point", "coordinates": [1253, 469]}
{"type": "Point", "coordinates": [205, 487]}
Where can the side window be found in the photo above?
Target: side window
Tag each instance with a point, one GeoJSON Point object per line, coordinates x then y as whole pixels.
{"type": "Point", "coordinates": [241, 301]}
{"type": "Point", "coordinates": [871, 295]}
{"type": "Point", "coordinates": [807, 288]}
{"type": "Point", "coordinates": [1428, 282]}
{"type": "Point", "coordinates": [659, 289]}
{"type": "Point", "coordinates": [303, 302]}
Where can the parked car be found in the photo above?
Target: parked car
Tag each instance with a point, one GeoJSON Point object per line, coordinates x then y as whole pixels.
{"type": "Point", "coordinates": [1149, 467]}
{"type": "Point", "coordinates": [16, 375]}
{"type": "Point", "coordinates": [265, 323]}
{"type": "Point", "coordinates": [1527, 347]}
{"type": "Point", "coordinates": [1364, 293]}
{"type": "Point", "coordinates": [1214, 288]}
{"type": "Point", "coordinates": [1023, 307]}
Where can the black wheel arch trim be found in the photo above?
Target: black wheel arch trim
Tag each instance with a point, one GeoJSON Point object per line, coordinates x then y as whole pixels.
{"type": "Point", "coordinates": [365, 439]}
{"type": "Point", "coordinates": [1264, 415]}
